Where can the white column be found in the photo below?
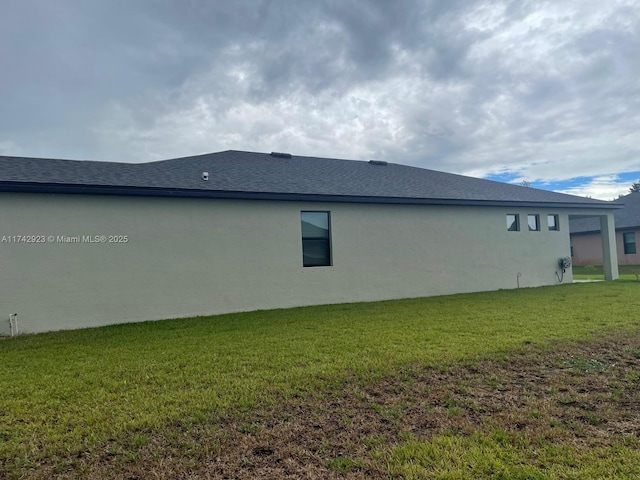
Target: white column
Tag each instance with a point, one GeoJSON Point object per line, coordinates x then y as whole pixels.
{"type": "Point", "coordinates": [609, 250]}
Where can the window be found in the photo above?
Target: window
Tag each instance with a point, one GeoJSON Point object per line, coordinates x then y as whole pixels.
{"type": "Point", "coordinates": [316, 239]}
{"type": "Point", "coordinates": [534, 223]}
{"type": "Point", "coordinates": [552, 221]}
{"type": "Point", "coordinates": [513, 222]}
{"type": "Point", "coordinates": [629, 240]}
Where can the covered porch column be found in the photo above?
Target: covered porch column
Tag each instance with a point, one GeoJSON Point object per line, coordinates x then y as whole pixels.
{"type": "Point", "coordinates": [609, 251]}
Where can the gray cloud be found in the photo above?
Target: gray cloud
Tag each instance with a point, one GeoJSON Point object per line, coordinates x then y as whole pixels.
{"type": "Point", "coordinates": [538, 89]}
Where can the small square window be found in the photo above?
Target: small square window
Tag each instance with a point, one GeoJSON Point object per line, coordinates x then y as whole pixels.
{"type": "Point", "coordinates": [513, 222]}
{"type": "Point", "coordinates": [629, 240]}
{"type": "Point", "coordinates": [552, 221]}
{"type": "Point", "coordinates": [534, 223]}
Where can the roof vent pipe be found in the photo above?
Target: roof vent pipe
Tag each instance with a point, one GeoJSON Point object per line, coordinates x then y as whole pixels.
{"type": "Point", "coordinates": [377, 162]}
{"type": "Point", "coordinates": [280, 155]}
{"type": "Point", "coordinates": [205, 176]}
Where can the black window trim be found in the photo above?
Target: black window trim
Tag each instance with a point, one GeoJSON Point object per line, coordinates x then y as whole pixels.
{"type": "Point", "coordinates": [516, 222]}
{"type": "Point", "coordinates": [629, 246]}
{"type": "Point", "coordinates": [535, 216]}
{"type": "Point", "coordinates": [328, 247]}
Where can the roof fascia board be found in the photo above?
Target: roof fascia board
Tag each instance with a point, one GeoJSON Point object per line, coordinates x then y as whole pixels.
{"type": "Point", "coordinates": [24, 187]}
{"type": "Point", "coordinates": [618, 229]}
{"type": "Point", "coordinates": [588, 232]}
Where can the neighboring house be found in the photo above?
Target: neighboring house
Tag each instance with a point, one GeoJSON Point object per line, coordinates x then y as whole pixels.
{"type": "Point", "coordinates": [586, 243]}
{"type": "Point", "coordinates": [86, 243]}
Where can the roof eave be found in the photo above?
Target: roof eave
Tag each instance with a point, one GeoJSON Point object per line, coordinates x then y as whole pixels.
{"type": "Point", "coordinates": [28, 187]}
{"type": "Point", "coordinates": [594, 232]}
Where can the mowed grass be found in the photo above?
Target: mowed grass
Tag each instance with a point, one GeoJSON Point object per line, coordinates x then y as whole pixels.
{"type": "Point", "coordinates": [502, 455]}
{"type": "Point", "coordinates": [70, 393]}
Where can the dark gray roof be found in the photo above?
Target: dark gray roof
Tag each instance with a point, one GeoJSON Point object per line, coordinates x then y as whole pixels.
{"type": "Point", "coordinates": [626, 218]}
{"type": "Point", "coordinates": [236, 174]}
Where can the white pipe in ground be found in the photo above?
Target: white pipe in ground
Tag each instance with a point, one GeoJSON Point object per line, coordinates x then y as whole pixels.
{"type": "Point", "coordinates": [13, 324]}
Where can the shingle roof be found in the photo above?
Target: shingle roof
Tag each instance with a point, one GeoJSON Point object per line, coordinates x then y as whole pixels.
{"type": "Point", "coordinates": [236, 174]}
{"type": "Point", "coordinates": [626, 218]}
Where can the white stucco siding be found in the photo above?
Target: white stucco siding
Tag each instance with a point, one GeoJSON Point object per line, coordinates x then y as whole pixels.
{"type": "Point", "coordinates": [187, 257]}
{"type": "Point", "coordinates": [417, 250]}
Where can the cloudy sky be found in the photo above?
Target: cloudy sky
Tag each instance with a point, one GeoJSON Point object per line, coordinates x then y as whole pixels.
{"type": "Point", "coordinates": [546, 92]}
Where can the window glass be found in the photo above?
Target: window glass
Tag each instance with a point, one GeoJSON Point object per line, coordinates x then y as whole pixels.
{"type": "Point", "coordinates": [553, 223]}
{"type": "Point", "coordinates": [316, 239]}
{"type": "Point", "coordinates": [629, 240]}
{"type": "Point", "coordinates": [534, 222]}
{"type": "Point", "coordinates": [513, 222]}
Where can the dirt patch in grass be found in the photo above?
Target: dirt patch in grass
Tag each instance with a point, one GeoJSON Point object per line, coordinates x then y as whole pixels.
{"type": "Point", "coordinates": [581, 395]}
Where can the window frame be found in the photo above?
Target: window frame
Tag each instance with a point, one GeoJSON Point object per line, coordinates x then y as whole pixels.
{"type": "Point", "coordinates": [307, 240]}
{"type": "Point", "coordinates": [516, 222]}
{"type": "Point", "coordinates": [629, 247]}
{"type": "Point", "coordinates": [556, 222]}
{"type": "Point", "coordinates": [535, 217]}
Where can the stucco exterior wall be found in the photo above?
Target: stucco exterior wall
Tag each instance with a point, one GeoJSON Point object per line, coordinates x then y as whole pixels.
{"type": "Point", "coordinates": [587, 249]}
{"type": "Point", "coordinates": [188, 257]}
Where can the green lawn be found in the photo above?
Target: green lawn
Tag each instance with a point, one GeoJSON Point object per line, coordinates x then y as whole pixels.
{"type": "Point", "coordinates": [66, 395]}
{"type": "Point", "coordinates": [594, 272]}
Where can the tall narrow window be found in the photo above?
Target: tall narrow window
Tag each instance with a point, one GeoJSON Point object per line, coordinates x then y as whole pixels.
{"type": "Point", "coordinates": [316, 239]}
{"type": "Point", "coordinates": [513, 222]}
{"type": "Point", "coordinates": [629, 240]}
{"type": "Point", "coordinates": [552, 221]}
{"type": "Point", "coordinates": [534, 222]}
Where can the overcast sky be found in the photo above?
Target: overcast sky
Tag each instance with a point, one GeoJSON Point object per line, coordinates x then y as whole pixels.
{"type": "Point", "coordinates": [542, 91]}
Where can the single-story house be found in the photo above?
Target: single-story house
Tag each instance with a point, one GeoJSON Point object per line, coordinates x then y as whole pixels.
{"type": "Point", "coordinates": [86, 243]}
{"type": "Point", "coordinates": [586, 240]}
